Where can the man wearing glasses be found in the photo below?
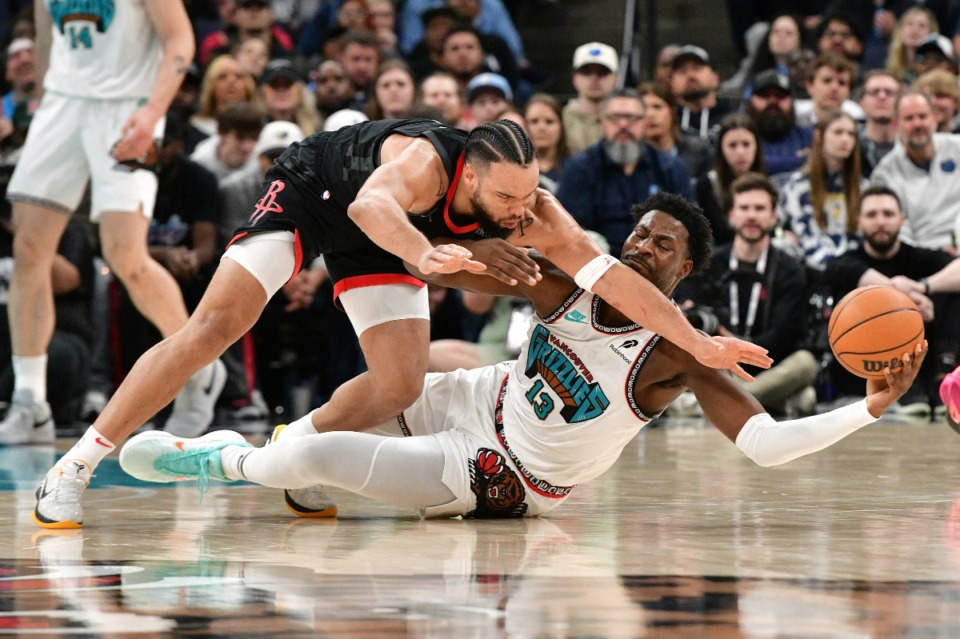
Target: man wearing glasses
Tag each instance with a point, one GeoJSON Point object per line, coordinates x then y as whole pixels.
{"type": "Point", "coordinates": [606, 179]}
{"type": "Point", "coordinates": [879, 131]}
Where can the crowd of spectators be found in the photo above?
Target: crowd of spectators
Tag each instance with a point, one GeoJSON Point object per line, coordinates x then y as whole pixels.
{"type": "Point", "coordinates": [828, 103]}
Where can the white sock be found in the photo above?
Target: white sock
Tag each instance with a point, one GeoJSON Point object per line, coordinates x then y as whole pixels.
{"type": "Point", "coordinates": [299, 428]}
{"type": "Point", "coordinates": [202, 376]}
{"type": "Point", "coordinates": [91, 448]}
{"type": "Point", "coordinates": [31, 373]}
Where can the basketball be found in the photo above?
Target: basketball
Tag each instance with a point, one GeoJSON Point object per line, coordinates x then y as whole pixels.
{"type": "Point", "coordinates": [872, 327]}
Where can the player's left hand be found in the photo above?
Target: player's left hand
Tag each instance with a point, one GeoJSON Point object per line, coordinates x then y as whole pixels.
{"type": "Point", "coordinates": [137, 135]}
{"type": "Point", "coordinates": [882, 393]}
{"type": "Point", "coordinates": [448, 258]}
{"type": "Point", "coordinates": [730, 352]}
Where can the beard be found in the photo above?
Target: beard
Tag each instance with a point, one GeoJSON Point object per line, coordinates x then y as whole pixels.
{"type": "Point", "coordinates": [918, 142]}
{"type": "Point", "coordinates": [882, 246]}
{"type": "Point", "coordinates": [488, 225]}
{"type": "Point", "coordinates": [762, 234]}
{"type": "Point", "coordinates": [774, 123]}
{"type": "Point", "coordinates": [694, 95]}
{"type": "Point", "coordinates": [623, 153]}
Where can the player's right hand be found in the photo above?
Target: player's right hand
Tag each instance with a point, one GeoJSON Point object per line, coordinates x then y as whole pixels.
{"type": "Point", "coordinates": [730, 352]}
{"type": "Point", "coordinates": [448, 258]}
{"type": "Point", "coordinates": [883, 392]}
{"type": "Point", "coordinates": [508, 263]}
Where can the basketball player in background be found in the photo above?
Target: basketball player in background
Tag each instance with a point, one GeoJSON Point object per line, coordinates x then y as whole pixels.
{"type": "Point", "coordinates": [113, 70]}
{"type": "Point", "coordinates": [514, 439]}
{"type": "Point", "coordinates": [367, 197]}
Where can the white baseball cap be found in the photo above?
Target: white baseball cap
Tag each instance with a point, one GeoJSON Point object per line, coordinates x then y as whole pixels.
{"type": "Point", "coordinates": [344, 117]}
{"type": "Point", "coordinates": [595, 53]}
{"type": "Point", "coordinates": [277, 136]}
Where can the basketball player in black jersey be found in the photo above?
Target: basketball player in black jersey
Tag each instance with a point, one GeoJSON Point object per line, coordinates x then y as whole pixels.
{"type": "Point", "coordinates": [368, 198]}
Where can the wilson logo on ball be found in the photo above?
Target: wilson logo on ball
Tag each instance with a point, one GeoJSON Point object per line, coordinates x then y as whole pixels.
{"type": "Point", "coordinates": [877, 366]}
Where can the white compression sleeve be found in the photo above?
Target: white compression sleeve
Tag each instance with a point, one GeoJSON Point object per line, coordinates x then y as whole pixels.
{"type": "Point", "coordinates": [593, 270]}
{"type": "Point", "coordinates": [403, 471]}
{"type": "Point", "coordinates": [768, 442]}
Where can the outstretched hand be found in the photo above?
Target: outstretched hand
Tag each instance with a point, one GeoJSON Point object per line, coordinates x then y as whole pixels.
{"type": "Point", "coordinates": [508, 263]}
{"type": "Point", "coordinates": [730, 352]}
{"type": "Point", "coordinates": [883, 392]}
{"type": "Point", "coordinates": [448, 258]}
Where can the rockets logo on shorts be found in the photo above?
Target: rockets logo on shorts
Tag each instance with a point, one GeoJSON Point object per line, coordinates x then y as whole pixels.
{"type": "Point", "coordinates": [499, 492]}
{"type": "Point", "coordinates": [268, 203]}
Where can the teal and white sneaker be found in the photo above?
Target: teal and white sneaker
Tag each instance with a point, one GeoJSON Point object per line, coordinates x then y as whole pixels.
{"type": "Point", "coordinates": [162, 457]}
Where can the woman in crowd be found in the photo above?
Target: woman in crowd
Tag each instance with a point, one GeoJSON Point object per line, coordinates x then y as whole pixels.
{"type": "Point", "coordinates": [819, 203]}
{"type": "Point", "coordinates": [394, 91]}
{"type": "Point", "coordinates": [778, 50]}
{"type": "Point", "coordinates": [545, 126]}
{"type": "Point", "coordinates": [286, 97]}
{"type": "Point", "coordinates": [913, 26]}
{"type": "Point", "coordinates": [738, 151]}
{"type": "Point", "coordinates": [662, 132]}
{"type": "Point", "coordinates": [253, 55]}
{"type": "Point", "coordinates": [225, 82]}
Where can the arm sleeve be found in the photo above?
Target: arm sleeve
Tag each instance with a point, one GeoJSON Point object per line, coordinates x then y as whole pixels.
{"type": "Point", "coordinates": [770, 443]}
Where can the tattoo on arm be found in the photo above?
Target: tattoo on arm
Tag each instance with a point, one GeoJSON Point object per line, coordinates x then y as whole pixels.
{"type": "Point", "coordinates": [441, 190]}
{"type": "Point", "coordinates": [180, 64]}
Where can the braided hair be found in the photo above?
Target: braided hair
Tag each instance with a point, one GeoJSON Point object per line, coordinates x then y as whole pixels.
{"type": "Point", "coordinates": [499, 141]}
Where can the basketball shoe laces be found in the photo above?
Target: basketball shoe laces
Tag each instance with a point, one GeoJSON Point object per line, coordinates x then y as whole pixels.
{"type": "Point", "coordinates": [66, 491]}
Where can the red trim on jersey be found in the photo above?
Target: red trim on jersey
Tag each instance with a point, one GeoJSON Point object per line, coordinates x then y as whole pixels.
{"type": "Point", "coordinates": [460, 230]}
{"type": "Point", "coordinates": [297, 255]}
{"type": "Point", "coordinates": [237, 238]}
{"type": "Point", "coordinates": [378, 279]}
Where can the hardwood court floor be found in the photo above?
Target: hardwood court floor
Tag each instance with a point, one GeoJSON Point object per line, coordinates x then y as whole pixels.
{"type": "Point", "coordinates": [684, 537]}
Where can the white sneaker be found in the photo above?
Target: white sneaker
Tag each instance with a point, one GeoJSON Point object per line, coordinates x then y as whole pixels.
{"type": "Point", "coordinates": [162, 457]}
{"type": "Point", "coordinates": [58, 497]}
{"type": "Point", "coordinates": [27, 421]}
{"type": "Point", "coordinates": [193, 409]}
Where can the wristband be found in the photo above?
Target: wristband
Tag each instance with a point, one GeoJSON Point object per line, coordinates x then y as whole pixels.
{"type": "Point", "coordinates": [593, 270]}
{"type": "Point", "coordinates": [926, 286]}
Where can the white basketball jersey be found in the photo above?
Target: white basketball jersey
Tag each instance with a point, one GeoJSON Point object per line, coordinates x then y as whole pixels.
{"type": "Point", "coordinates": [102, 49]}
{"type": "Point", "coordinates": [567, 407]}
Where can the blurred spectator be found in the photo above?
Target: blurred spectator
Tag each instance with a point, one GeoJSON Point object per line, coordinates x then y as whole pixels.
{"type": "Point", "coordinates": [663, 64]}
{"type": "Point", "coordinates": [499, 25]}
{"type": "Point", "coordinates": [383, 22]}
{"type": "Point", "coordinates": [922, 169]}
{"type": "Point", "coordinates": [914, 25]}
{"type": "Point", "coordinates": [491, 18]}
{"type": "Point", "coordinates": [755, 291]}
{"type": "Point", "coordinates": [426, 57]}
{"type": "Point", "coordinates": [502, 47]}
{"type": "Point", "coordinates": [286, 97]}
{"type": "Point", "coordinates": [360, 59]}
{"type": "Point", "coordinates": [662, 133]}
{"type": "Point", "coordinates": [250, 18]}
{"type": "Point", "coordinates": [394, 91]}
{"type": "Point", "coordinates": [545, 127]}
{"type": "Point", "coordinates": [440, 90]}
{"type": "Point", "coordinates": [785, 144]}
{"type": "Point", "coordinates": [69, 352]}
{"type": "Point", "coordinates": [934, 52]}
{"type": "Point", "coordinates": [225, 82]}
{"type": "Point", "coordinates": [601, 183]}
{"type": "Point", "coordinates": [926, 275]}
{"type": "Point", "coordinates": [819, 204]}
{"type": "Point", "coordinates": [738, 152]}
{"type": "Point", "coordinates": [840, 34]}
{"type": "Point", "coordinates": [942, 88]}
{"type": "Point", "coordinates": [879, 131]}
{"type": "Point", "coordinates": [185, 104]}
{"type": "Point", "coordinates": [333, 90]}
{"type": "Point", "coordinates": [253, 55]}
{"type": "Point", "coordinates": [463, 56]}
{"type": "Point", "coordinates": [351, 14]}
{"type": "Point", "coordinates": [594, 78]}
{"type": "Point", "coordinates": [693, 83]}
{"type": "Point", "coordinates": [829, 88]}
{"type": "Point", "coordinates": [784, 38]}
{"type": "Point", "coordinates": [20, 74]}
{"type": "Point", "coordinates": [238, 126]}
{"type": "Point", "coordinates": [488, 96]}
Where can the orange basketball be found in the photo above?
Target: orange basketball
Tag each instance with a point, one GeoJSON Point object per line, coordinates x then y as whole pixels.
{"type": "Point", "coordinates": [872, 327]}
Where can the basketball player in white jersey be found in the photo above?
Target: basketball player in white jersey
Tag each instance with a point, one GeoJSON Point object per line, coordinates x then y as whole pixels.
{"type": "Point", "coordinates": [516, 438]}
{"type": "Point", "coordinates": [114, 67]}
